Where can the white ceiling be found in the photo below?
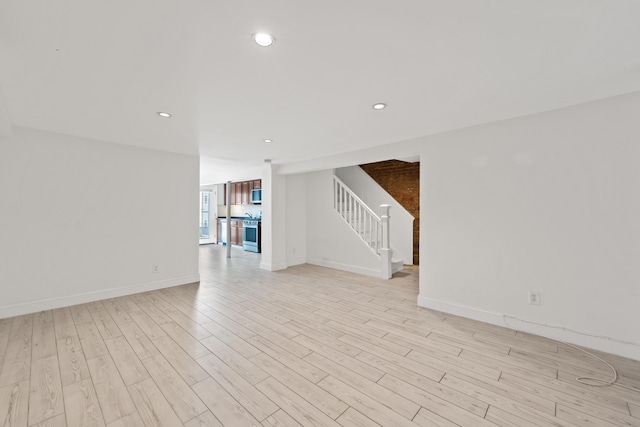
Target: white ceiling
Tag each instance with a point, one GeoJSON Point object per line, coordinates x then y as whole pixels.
{"type": "Point", "coordinates": [102, 69]}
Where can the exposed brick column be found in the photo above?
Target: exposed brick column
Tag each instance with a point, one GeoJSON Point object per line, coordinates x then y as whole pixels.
{"type": "Point", "coordinates": [402, 181]}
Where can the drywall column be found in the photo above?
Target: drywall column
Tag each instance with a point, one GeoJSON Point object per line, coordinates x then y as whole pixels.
{"type": "Point", "coordinates": [228, 222]}
{"type": "Point", "coordinates": [274, 190]}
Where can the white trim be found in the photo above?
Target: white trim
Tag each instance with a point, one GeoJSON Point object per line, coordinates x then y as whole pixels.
{"type": "Point", "coordinates": [18, 309]}
{"type": "Point", "coordinates": [273, 267]}
{"type": "Point", "coordinates": [296, 261]}
{"type": "Point", "coordinates": [558, 333]}
{"type": "Point", "coordinates": [461, 310]}
{"type": "Point", "coordinates": [346, 267]}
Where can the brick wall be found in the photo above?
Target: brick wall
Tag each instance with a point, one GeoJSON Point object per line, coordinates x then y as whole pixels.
{"type": "Point", "coordinates": [402, 181]}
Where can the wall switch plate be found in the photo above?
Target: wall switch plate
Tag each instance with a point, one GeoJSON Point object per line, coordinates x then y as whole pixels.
{"type": "Point", "coordinates": [534, 297]}
{"type": "Point", "coordinates": [155, 268]}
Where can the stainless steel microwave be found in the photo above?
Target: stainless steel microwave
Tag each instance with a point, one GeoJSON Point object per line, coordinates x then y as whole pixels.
{"type": "Point", "coordinates": [256, 196]}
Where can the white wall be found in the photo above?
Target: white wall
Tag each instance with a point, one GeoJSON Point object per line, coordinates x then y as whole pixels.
{"type": "Point", "coordinates": [373, 195]}
{"type": "Point", "coordinates": [82, 220]}
{"type": "Point", "coordinates": [296, 219]}
{"type": "Point", "coordinates": [274, 219]}
{"type": "Point", "coordinates": [330, 240]}
{"type": "Point", "coordinates": [549, 202]}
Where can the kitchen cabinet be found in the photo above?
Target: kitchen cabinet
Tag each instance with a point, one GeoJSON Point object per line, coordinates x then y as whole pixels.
{"type": "Point", "coordinates": [236, 193]}
{"type": "Point", "coordinates": [240, 192]}
{"type": "Point", "coordinates": [239, 237]}
{"type": "Point", "coordinates": [245, 193]}
{"type": "Point", "coordinates": [236, 232]}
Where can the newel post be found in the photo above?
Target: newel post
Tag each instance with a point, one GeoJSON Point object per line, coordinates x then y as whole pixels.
{"type": "Point", "coordinates": [385, 250]}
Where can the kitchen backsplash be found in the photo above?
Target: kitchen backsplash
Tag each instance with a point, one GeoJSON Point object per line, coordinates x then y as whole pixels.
{"type": "Point", "coordinates": [240, 210]}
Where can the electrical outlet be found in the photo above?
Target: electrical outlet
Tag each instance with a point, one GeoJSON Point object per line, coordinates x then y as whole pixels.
{"type": "Point", "coordinates": [534, 297]}
{"type": "Point", "coordinates": [155, 268]}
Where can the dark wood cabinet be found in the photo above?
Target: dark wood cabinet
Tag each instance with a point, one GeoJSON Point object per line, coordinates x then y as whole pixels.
{"type": "Point", "coordinates": [240, 238]}
{"type": "Point", "coordinates": [245, 194]}
{"type": "Point", "coordinates": [250, 185]}
{"type": "Point", "coordinates": [236, 232]}
{"type": "Point", "coordinates": [236, 237]}
{"type": "Point", "coordinates": [240, 192]}
{"type": "Point", "coordinates": [235, 200]}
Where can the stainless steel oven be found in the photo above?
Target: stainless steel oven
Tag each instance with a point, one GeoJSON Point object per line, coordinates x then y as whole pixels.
{"type": "Point", "coordinates": [251, 235]}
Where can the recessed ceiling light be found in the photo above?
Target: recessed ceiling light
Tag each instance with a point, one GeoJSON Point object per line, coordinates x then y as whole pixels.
{"type": "Point", "coordinates": [163, 114]}
{"type": "Point", "coordinates": [268, 140]}
{"type": "Point", "coordinates": [379, 106]}
{"type": "Point", "coordinates": [264, 39]}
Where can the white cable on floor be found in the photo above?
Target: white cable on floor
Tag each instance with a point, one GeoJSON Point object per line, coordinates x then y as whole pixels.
{"type": "Point", "coordinates": [613, 381]}
{"type": "Point", "coordinates": [581, 380]}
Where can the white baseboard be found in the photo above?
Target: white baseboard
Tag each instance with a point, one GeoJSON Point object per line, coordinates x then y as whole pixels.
{"type": "Point", "coordinates": [18, 309]}
{"type": "Point", "coordinates": [273, 267]}
{"type": "Point", "coordinates": [345, 267]}
{"type": "Point", "coordinates": [296, 261]}
{"type": "Point", "coordinates": [556, 332]}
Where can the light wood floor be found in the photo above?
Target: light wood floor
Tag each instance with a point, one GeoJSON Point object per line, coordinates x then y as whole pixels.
{"type": "Point", "coordinates": [306, 346]}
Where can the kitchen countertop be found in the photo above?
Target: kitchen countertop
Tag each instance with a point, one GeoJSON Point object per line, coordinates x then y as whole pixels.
{"type": "Point", "coordinates": [224, 218]}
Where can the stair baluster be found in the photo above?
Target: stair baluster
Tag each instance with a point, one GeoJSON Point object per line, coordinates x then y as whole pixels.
{"type": "Point", "coordinates": [372, 229]}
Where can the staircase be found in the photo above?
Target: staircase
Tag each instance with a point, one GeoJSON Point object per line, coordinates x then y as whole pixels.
{"type": "Point", "coordinates": [372, 229]}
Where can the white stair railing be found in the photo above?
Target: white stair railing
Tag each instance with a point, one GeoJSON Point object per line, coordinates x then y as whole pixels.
{"type": "Point", "coordinates": [358, 215]}
{"type": "Point", "coordinates": [372, 229]}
